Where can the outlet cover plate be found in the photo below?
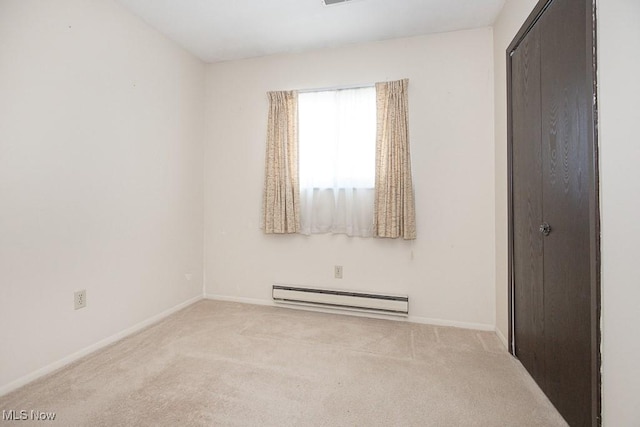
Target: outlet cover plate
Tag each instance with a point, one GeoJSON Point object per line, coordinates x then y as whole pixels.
{"type": "Point", "coordinates": [80, 299]}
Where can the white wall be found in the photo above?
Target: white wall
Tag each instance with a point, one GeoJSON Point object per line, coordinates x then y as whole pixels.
{"type": "Point", "coordinates": [513, 15]}
{"type": "Point", "coordinates": [618, 71]}
{"type": "Point", "coordinates": [100, 178]}
{"type": "Point", "coordinates": [448, 272]}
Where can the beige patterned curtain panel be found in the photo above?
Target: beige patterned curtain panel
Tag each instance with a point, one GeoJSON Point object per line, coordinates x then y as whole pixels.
{"type": "Point", "coordinates": [394, 198]}
{"type": "Point", "coordinates": [280, 204]}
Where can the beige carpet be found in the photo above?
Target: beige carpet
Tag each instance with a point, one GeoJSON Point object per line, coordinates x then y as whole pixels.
{"type": "Point", "coordinates": [228, 364]}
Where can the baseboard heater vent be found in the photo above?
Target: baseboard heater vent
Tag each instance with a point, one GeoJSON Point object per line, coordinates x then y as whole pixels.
{"type": "Point", "coordinates": [359, 301]}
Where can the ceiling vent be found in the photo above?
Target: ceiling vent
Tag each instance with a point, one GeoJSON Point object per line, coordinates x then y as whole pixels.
{"type": "Point", "coordinates": [331, 2]}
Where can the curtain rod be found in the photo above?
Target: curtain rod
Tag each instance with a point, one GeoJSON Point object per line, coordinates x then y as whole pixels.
{"type": "Point", "coordinates": [342, 87]}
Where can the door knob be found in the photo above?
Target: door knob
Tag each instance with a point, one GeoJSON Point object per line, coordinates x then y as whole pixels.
{"type": "Point", "coordinates": [545, 228]}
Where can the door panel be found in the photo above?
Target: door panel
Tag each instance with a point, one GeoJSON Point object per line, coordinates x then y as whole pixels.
{"type": "Point", "coordinates": [527, 206]}
{"type": "Point", "coordinates": [565, 187]}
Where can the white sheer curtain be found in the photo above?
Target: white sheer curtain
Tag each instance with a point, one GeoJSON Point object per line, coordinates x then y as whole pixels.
{"type": "Point", "coordinates": [337, 156]}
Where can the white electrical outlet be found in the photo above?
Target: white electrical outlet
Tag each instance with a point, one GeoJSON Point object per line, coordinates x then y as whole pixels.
{"type": "Point", "coordinates": [80, 299]}
{"type": "Point", "coordinates": [337, 271]}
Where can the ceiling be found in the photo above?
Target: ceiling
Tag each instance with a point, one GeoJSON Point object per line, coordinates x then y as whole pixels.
{"type": "Point", "coordinates": [217, 30]}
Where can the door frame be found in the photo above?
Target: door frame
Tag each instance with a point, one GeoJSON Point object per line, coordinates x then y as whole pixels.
{"type": "Point", "coordinates": [594, 195]}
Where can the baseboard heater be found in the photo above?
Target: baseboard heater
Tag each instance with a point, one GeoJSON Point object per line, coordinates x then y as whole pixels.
{"type": "Point", "coordinates": [359, 301]}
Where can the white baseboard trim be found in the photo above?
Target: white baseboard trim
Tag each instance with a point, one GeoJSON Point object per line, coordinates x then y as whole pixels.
{"type": "Point", "coordinates": [24, 380]}
{"type": "Point", "coordinates": [413, 319]}
{"type": "Point", "coordinates": [303, 307]}
{"type": "Point", "coordinates": [505, 342]}
{"type": "Point", "coordinates": [243, 300]}
{"type": "Point", "coordinates": [452, 323]}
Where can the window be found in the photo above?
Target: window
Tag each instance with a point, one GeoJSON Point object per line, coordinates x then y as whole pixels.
{"type": "Point", "coordinates": [337, 150]}
{"type": "Point", "coordinates": [338, 162]}
{"type": "Point", "coordinates": [337, 138]}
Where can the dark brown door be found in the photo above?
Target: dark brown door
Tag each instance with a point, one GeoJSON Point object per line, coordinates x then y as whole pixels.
{"type": "Point", "coordinates": [527, 205]}
{"type": "Point", "coordinates": [553, 188]}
